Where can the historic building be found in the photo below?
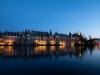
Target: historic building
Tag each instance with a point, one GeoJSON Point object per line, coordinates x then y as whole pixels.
{"type": "Point", "coordinates": [9, 38]}
{"type": "Point", "coordinates": [28, 37]}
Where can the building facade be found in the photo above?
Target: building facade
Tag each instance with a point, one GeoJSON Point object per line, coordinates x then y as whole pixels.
{"type": "Point", "coordinates": [28, 37]}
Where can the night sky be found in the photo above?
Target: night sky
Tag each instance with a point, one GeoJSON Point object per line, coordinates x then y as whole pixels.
{"type": "Point", "coordinates": [63, 16]}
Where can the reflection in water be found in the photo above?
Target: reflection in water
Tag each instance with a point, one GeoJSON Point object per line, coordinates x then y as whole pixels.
{"type": "Point", "coordinates": [49, 60]}
{"type": "Point", "coordinates": [42, 51]}
{"type": "Point", "coordinates": [1, 49]}
{"type": "Point", "coordinates": [7, 51]}
{"type": "Point", "coordinates": [40, 48]}
{"type": "Point", "coordinates": [52, 48]}
{"type": "Point", "coordinates": [98, 46]}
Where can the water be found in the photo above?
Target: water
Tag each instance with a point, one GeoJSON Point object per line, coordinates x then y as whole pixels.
{"type": "Point", "coordinates": [42, 60]}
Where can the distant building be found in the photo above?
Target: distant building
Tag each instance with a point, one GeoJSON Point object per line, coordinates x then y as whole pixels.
{"type": "Point", "coordinates": [28, 37]}
{"type": "Point", "coordinates": [10, 38]}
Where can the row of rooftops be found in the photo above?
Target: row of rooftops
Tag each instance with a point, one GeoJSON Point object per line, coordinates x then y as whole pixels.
{"type": "Point", "coordinates": [35, 33]}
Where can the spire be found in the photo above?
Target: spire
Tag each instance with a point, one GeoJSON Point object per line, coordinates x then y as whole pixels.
{"type": "Point", "coordinates": [70, 35]}
{"type": "Point", "coordinates": [50, 33]}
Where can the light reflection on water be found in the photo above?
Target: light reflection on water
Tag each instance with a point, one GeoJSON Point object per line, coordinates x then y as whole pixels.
{"type": "Point", "coordinates": [49, 60]}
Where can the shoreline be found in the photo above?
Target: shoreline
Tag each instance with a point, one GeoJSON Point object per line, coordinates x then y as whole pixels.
{"type": "Point", "coordinates": [36, 45]}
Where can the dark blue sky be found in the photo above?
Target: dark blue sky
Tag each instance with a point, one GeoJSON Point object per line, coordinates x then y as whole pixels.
{"type": "Point", "coordinates": [63, 16]}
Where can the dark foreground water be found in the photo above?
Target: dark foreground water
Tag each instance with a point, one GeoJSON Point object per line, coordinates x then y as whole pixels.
{"type": "Point", "coordinates": [42, 60]}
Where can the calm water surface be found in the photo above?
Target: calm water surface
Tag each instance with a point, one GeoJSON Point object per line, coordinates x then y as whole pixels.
{"type": "Point", "coordinates": [42, 60]}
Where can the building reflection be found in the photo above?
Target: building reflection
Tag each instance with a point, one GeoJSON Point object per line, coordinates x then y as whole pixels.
{"type": "Point", "coordinates": [98, 46]}
{"type": "Point", "coordinates": [29, 52]}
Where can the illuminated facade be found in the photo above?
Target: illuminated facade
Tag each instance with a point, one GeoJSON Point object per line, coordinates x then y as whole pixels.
{"type": "Point", "coordinates": [28, 37]}
{"type": "Point", "coordinates": [9, 38]}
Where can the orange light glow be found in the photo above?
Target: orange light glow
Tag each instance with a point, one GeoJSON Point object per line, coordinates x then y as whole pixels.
{"type": "Point", "coordinates": [52, 48]}
{"type": "Point", "coordinates": [62, 47]}
{"type": "Point", "coordinates": [40, 42]}
{"type": "Point", "coordinates": [2, 41]}
{"type": "Point", "coordinates": [72, 44]}
{"type": "Point", "coordinates": [52, 42]}
{"type": "Point", "coordinates": [40, 48]}
{"type": "Point", "coordinates": [10, 42]}
{"type": "Point", "coordinates": [9, 50]}
{"type": "Point", "coordinates": [62, 43]}
{"type": "Point", "coordinates": [2, 49]}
